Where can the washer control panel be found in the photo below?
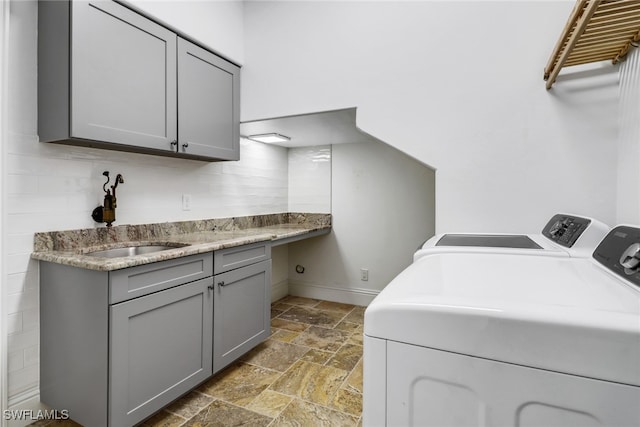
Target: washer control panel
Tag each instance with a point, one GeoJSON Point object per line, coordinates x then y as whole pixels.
{"type": "Point", "coordinates": [565, 229]}
{"type": "Point", "coordinates": [619, 251]}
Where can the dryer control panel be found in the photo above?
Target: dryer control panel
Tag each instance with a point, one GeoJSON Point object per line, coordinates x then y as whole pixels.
{"type": "Point", "coordinates": [619, 251]}
{"type": "Point", "coordinates": [565, 229]}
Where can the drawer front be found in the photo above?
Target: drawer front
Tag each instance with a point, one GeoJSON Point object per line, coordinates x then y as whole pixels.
{"type": "Point", "coordinates": [145, 279]}
{"type": "Point", "coordinates": [232, 258]}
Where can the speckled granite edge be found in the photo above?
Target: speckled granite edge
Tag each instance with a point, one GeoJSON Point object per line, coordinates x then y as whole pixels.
{"type": "Point", "coordinates": [70, 240]}
{"type": "Point", "coordinates": [72, 247]}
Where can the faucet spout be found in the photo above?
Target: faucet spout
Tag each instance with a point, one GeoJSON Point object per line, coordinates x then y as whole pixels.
{"type": "Point", "coordinates": [119, 180]}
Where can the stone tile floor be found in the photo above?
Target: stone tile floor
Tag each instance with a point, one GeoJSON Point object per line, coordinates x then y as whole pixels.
{"type": "Point", "coordinates": [308, 373]}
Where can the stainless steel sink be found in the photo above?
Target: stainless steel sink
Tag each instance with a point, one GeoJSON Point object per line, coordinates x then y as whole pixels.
{"type": "Point", "coordinates": [130, 251]}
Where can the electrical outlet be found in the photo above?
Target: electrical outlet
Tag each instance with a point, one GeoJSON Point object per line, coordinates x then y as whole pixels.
{"type": "Point", "coordinates": [364, 274]}
{"type": "Point", "coordinates": [186, 202]}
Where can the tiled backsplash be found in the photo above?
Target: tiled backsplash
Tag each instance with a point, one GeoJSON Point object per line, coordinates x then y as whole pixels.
{"type": "Point", "coordinates": [310, 179]}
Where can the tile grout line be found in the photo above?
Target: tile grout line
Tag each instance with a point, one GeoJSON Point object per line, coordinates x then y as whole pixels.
{"type": "Point", "coordinates": [348, 372]}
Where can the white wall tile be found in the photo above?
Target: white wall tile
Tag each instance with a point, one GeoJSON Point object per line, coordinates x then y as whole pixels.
{"type": "Point", "coordinates": [18, 263]}
{"type": "Point", "coordinates": [23, 379]}
{"type": "Point", "coordinates": [310, 179]}
{"type": "Point", "coordinates": [14, 322]}
{"type": "Point", "coordinates": [16, 342]}
{"type": "Point", "coordinates": [32, 356]}
{"type": "Point", "coordinates": [15, 283]}
{"type": "Point", "coordinates": [31, 319]}
{"type": "Point", "coordinates": [21, 301]}
{"type": "Point", "coordinates": [20, 243]}
{"type": "Point", "coordinates": [22, 184]}
{"type": "Point", "coordinates": [15, 361]}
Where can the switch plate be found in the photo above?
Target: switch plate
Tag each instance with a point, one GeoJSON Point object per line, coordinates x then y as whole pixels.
{"type": "Point", "coordinates": [186, 202]}
{"type": "Point", "coordinates": [364, 274]}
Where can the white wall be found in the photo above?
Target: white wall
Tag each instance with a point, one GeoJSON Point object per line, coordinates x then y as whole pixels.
{"type": "Point", "coordinates": [55, 187]}
{"type": "Point", "coordinates": [457, 85]}
{"type": "Point", "coordinates": [629, 144]}
{"type": "Point", "coordinates": [382, 205]}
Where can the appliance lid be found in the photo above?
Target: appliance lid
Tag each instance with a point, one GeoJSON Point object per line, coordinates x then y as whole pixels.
{"type": "Point", "coordinates": [502, 243]}
{"type": "Point", "coordinates": [489, 240]}
{"type": "Point", "coordinates": [561, 314]}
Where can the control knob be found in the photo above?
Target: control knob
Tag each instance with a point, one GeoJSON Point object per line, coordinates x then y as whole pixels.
{"type": "Point", "coordinates": [558, 229]}
{"type": "Point", "coordinates": [630, 258]}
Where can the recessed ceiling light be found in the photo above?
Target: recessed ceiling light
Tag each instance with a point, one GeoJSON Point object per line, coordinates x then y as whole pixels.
{"type": "Point", "coordinates": [269, 138]}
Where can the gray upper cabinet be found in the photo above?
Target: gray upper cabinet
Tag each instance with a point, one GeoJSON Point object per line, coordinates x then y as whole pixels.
{"type": "Point", "coordinates": [207, 87]}
{"type": "Point", "coordinates": [123, 86]}
{"type": "Point", "coordinates": [112, 78]}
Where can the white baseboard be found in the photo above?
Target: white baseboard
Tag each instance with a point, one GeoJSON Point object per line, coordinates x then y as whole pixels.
{"type": "Point", "coordinates": [348, 296]}
{"type": "Point", "coordinates": [24, 408]}
{"type": "Point", "coordinates": [279, 290]}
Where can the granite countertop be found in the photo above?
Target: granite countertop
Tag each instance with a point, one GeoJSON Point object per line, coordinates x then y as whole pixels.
{"type": "Point", "coordinates": [188, 237]}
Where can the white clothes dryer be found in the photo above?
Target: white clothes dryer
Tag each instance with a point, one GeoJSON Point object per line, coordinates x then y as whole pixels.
{"type": "Point", "coordinates": [564, 235]}
{"type": "Point", "coordinates": [488, 339]}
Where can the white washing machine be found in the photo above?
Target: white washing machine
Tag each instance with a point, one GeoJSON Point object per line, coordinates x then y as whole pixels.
{"type": "Point", "coordinates": [563, 235]}
{"type": "Point", "coordinates": [488, 339]}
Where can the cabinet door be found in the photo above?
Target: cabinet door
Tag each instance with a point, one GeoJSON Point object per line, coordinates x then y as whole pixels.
{"type": "Point", "coordinates": [242, 312]}
{"type": "Point", "coordinates": [123, 84]}
{"type": "Point", "coordinates": [208, 104]}
{"type": "Point", "coordinates": [160, 348]}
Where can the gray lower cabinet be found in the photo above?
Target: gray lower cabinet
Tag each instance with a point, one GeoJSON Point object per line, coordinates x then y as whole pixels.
{"type": "Point", "coordinates": [160, 347]}
{"type": "Point", "coordinates": [110, 77]}
{"type": "Point", "coordinates": [118, 346]}
{"type": "Point", "coordinates": [115, 347]}
{"type": "Point", "coordinates": [242, 303]}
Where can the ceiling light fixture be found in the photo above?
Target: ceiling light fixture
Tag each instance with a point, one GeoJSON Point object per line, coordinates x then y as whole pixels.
{"type": "Point", "coordinates": [269, 138]}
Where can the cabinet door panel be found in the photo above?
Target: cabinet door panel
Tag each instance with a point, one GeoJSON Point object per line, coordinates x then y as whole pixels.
{"type": "Point", "coordinates": [160, 348]}
{"type": "Point", "coordinates": [242, 312]}
{"type": "Point", "coordinates": [208, 103]}
{"type": "Point", "coordinates": [124, 77]}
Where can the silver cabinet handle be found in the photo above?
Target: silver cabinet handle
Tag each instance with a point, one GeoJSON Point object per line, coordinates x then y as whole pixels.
{"type": "Point", "coordinates": [222, 283]}
{"type": "Point", "coordinates": [185, 145]}
{"type": "Point", "coordinates": [210, 287]}
{"type": "Point", "coordinates": [174, 143]}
